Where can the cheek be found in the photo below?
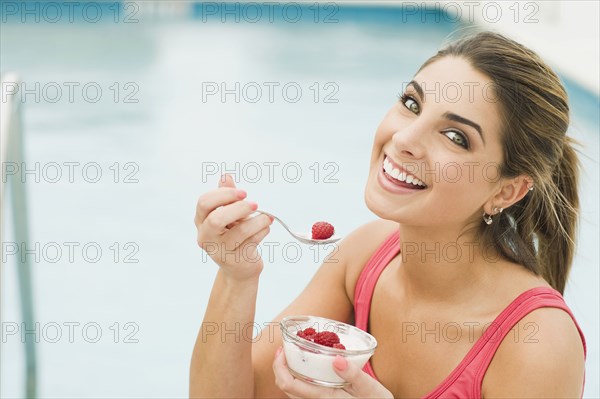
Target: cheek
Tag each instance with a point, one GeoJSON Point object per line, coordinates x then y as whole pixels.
{"type": "Point", "coordinates": [464, 182]}
{"type": "Point", "coordinates": [456, 171]}
{"type": "Point", "coordinates": [452, 176]}
{"type": "Point", "coordinates": [382, 136]}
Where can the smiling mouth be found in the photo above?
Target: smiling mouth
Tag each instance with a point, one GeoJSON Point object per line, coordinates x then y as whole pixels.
{"type": "Point", "coordinates": [400, 176]}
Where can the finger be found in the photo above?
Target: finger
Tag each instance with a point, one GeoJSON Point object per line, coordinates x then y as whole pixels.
{"type": "Point", "coordinates": [250, 245]}
{"type": "Point", "coordinates": [210, 201]}
{"type": "Point", "coordinates": [233, 224]}
{"type": "Point", "coordinates": [360, 383]}
{"type": "Point", "coordinates": [218, 219]}
{"type": "Point", "coordinates": [250, 231]}
{"type": "Point", "coordinates": [226, 181]}
{"type": "Point", "coordinates": [294, 387]}
{"type": "Point", "coordinates": [283, 377]}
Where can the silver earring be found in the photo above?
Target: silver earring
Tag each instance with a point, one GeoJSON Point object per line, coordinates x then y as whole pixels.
{"type": "Point", "coordinates": [531, 188]}
{"type": "Point", "coordinates": [497, 210]}
{"type": "Point", "coordinates": [487, 218]}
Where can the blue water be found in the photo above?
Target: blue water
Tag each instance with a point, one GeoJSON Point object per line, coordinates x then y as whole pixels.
{"type": "Point", "coordinates": [163, 143]}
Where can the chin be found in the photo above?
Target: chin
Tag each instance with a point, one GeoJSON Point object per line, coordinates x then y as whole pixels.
{"type": "Point", "coordinates": [379, 204]}
{"type": "Point", "coordinates": [383, 212]}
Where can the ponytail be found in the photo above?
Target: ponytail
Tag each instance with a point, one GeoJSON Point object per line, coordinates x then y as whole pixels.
{"type": "Point", "coordinates": [557, 232]}
{"type": "Point", "coordinates": [539, 231]}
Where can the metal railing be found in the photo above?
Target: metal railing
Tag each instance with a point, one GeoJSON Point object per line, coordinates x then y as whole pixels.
{"type": "Point", "coordinates": [11, 151]}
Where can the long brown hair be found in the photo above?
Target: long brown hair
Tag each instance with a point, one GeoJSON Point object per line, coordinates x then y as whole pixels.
{"type": "Point", "coordinates": [537, 232]}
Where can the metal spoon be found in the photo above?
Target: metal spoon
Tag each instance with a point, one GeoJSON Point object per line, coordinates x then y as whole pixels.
{"type": "Point", "coordinates": [302, 237]}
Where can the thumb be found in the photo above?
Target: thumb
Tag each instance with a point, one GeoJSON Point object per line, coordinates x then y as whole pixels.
{"type": "Point", "coordinates": [350, 372]}
{"type": "Point", "coordinates": [226, 181]}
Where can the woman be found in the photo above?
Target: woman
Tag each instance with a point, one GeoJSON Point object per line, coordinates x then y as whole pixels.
{"type": "Point", "coordinates": [482, 236]}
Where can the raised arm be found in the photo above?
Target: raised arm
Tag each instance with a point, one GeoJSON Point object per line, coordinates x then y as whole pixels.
{"type": "Point", "coordinates": [222, 363]}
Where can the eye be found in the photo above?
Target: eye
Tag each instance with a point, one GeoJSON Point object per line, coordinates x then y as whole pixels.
{"type": "Point", "coordinates": [457, 138]}
{"type": "Point", "coordinates": [410, 103]}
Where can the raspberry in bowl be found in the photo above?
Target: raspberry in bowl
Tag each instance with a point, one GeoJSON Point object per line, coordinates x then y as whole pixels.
{"type": "Point", "coordinates": [311, 343]}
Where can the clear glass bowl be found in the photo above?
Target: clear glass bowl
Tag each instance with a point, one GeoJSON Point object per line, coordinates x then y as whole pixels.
{"type": "Point", "coordinates": [313, 362]}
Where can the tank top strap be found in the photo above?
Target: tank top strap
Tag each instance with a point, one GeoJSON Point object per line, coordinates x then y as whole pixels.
{"type": "Point", "coordinates": [527, 302]}
{"type": "Point", "coordinates": [365, 285]}
{"type": "Point", "coordinates": [467, 377]}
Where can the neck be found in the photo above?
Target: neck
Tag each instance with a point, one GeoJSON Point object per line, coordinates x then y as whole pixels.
{"type": "Point", "coordinates": [441, 265]}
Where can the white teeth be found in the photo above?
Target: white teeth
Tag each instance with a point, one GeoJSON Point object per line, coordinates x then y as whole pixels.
{"type": "Point", "coordinates": [401, 176]}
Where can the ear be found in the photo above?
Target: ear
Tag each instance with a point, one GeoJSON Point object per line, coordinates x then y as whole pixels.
{"type": "Point", "coordinates": [511, 191]}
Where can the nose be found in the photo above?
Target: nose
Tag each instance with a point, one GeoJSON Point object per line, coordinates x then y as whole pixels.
{"type": "Point", "coordinates": [410, 140]}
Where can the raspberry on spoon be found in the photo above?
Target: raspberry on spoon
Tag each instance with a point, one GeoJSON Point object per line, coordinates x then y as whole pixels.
{"type": "Point", "coordinates": [322, 231]}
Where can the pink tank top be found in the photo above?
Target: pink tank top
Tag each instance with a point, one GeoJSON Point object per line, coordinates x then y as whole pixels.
{"type": "Point", "coordinates": [466, 379]}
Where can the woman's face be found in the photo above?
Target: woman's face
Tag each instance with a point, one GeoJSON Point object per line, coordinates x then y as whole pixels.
{"type": "Point", "coordinates": [445, 131]}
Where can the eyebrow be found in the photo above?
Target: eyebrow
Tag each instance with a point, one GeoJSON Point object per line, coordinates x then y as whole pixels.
{"type": "Point", "coordinates": [460, 119]}
{"type": "Point", "coordinates": [449, 115]}
{"type": "Point", "coordinates": [417, 87]}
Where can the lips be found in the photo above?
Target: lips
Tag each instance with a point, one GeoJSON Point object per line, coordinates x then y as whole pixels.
{"type": "Point", "coordinates": [392, 186]}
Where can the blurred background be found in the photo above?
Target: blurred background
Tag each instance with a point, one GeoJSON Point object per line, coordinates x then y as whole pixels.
{"type": "Point", "coordinates": [123, 113]}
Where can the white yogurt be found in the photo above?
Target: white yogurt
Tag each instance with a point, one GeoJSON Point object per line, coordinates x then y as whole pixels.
{"type": "Point", "coordinates": [319, 366]}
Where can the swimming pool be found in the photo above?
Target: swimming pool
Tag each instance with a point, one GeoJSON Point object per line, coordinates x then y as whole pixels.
{"type": "Point", "coordinates": [180, 102]}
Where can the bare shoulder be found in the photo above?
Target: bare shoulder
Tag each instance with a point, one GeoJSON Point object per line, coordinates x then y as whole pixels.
{"type": "Point", "coordinates": [542, 356]}
{"type": "Point", "coordinates": [360, 245]}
